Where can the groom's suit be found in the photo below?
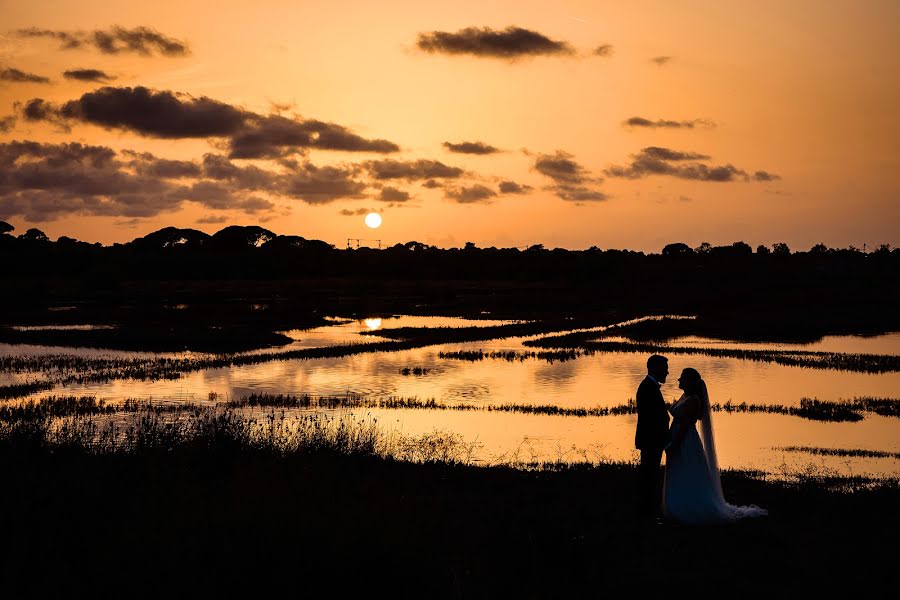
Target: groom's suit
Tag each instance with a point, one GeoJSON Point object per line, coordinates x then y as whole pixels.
{"type": "Point", "coordinates": [651, 437]}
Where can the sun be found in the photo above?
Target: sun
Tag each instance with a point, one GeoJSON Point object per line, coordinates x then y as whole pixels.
{"type": "Point", "coordinates": [373, 220]}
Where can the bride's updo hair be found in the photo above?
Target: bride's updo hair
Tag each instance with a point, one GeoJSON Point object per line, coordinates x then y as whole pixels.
{"type": "Point", "coordinates": [693, 383]}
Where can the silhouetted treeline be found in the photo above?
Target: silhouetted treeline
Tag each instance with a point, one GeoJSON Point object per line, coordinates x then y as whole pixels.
{"type": "Point", "coordinates": [252, 262]}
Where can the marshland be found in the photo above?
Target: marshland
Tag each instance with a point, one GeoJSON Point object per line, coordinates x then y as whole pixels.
{"type": "Point", "coordinates": [434, 412]}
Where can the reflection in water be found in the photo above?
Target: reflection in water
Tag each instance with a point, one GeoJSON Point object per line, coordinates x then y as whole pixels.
{"type": "Point", "coordinates": [604, 379]}
{"type": "Point", "coordinates": [373, 323]}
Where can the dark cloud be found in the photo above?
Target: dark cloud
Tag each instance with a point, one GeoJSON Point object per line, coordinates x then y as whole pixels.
{"type": "Point", "coordinates": [663, 161]}
{"type": "Point", "coordinates": [212, 220]}
{"type": "Point", "coordinates": [470, 195]}
{"type": "Point", "coordinates": [665, 123]}
{"type": "Point", "coordinates": [667, 154]}
{"type": "Point", "coordinates": [17, 76]}
{"type": "Point", "coordinates": [147, 164]}
{"type": "Point", "coordinates": [357, 212]}
{"type": "Point", "coordinates": [273, 136]}
{"type": "Point", "coordinates": [158, 114]}
{"type": "Point", "coordinates": [511, 187]}
{"type": "Point", "coordinates": [471, 148]}
{"type": "Point", "coordinates": [411, 170]}
{"type": "Point", "coordinates": [432, 183]}
{"type": "Point", "coordinates": [510, 43]}
{"type": "Point", "coordinates": [392, 194]}
{"type": "Point", "coordinates": [603, 50]}
{"type": "Point", "coordinates": [88, 75]}
{"type": "Point", "coordinates": [251, 177]}
{"type": "Point", "coordinates": [115, 40]}
{"type": "Point", "coordinates": [216, 196]}
{"type": "Point", "coordinates": [765, 176]}
{"type": "Point", "coordinates": [7, 123]}
{"type": "Point", "coordinates": [572, 182]}
{"type": "Point", "coordinates": [579, 193]}
{"type": "Point", "coordinates": [320, 185]}
{"type": "Point", "coordinates": [43, 182]}
{"type": "Point", "coordinates": [166, 114]}
{"type": "Point", "coordinates": [561, 168]}
{"type": "Point", "coordinates": [660, 61]}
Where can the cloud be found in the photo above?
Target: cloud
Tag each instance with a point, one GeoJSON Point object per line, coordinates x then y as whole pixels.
{"type": "Point", "coordinates": [561, 168]}
{"type": "Point", "coordinates": [661, 61]}
{"type": "Point", "coordinates": [357, 212]}
{"type": "Point", "coordinates": [273, 135]}
{"type": "Point", "coordinates": [470, 195]}
{"type": "Point", "coordinates": [654, 160]}
{"type": "Point", "coordinates": [432, 183]}
{"type": "Point", "coordinates": [471, 148]}
{"type": "Point", "coordinates": [212, 220]}
{"type": "Point", "coordinates": [216, 196]}
{"type": "Point", "coordinates": [320, 185]}
{"type": "Point", "coordinates": [511, 187]}
{"type": "Point", "coordinates": [572, 182]}
{"type": "Point", "coordinates": [579, 193]}
{"type": "Point", "coordinates": [665, 123]}
{"type": "Point", "coordinates": [7, 123]}
{"type": "Point", "coordinates": [17, 76]}
{"type": "Point", "coordinates": [765, 176]}
{"type": "Point", "coordinates": [392, 194]}
{"type": "Point", "coordinates": [604, 50]}
{"type": "Point", "coordinates": [667, 154]}
{"type": "Point", "coordinates": [43, 182]}
{"type": "Point", "coordinates": [171, 115]}
{"type": "Point", "coordinates": [510, 43]}
{"type": "Point", "coordinates": [88, 75]}
{"type": "Point", "coordinates": [411, 170]}
{"type": "Point", "coordinates": [115, 40]}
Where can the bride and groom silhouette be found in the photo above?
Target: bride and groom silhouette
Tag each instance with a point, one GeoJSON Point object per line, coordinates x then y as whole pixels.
{"type": "Point", "coordinates": [691, 490]}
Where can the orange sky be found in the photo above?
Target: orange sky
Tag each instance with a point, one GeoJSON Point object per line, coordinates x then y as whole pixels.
{"type": "Point", "coordinates": [804, 90]}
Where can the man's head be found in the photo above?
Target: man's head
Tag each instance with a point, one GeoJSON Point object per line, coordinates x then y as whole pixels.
{"type": "Point", "coordinates": [658, 367]}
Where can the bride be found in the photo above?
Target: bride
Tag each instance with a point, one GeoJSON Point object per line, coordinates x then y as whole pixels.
{"type": "Point", "coordinates": [693, 491]}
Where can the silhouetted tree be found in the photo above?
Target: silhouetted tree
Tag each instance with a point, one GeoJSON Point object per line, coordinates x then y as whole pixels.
{"type": "Point", "coordinates": [470, 246]}
{"type": "Point", "coordinates": [741, 248]}
{"type": "Point", "coordinates": [5, 227]}
{"type": "Point", "coordinates": [780, 248]}
{"type": "Point", "coordinates": [34, 235]}
{"type": "Point", "coordinates": [677, 249]}
{"type": "Point", "coordinates": [763, 249]}
{"type": "Point", "coordinates": [704, 248]}
{"type": "Point", "coordinates": [819, 249]}
{"type": "Point", "coordinates": [236, 237]}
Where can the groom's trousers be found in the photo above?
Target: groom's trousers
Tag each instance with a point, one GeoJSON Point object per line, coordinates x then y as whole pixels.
{"type": "Point", "coordinates": [649, 482]}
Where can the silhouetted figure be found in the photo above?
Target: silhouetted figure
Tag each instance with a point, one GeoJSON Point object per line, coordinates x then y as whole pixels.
{"type": "Point", "coordinates": [652, 435]}
{"type": "Point", "coordinates": [693, 489]}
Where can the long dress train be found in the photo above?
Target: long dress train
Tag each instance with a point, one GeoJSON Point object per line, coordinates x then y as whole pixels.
{"type": "Point", "coordinates": [692, 492]}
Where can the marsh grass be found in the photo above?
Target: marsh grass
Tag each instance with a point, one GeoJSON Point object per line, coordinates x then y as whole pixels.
{"type": "Point", "coordinates": [862, 363]}
{"type": "Point", "coordinates": [851, 452]}
{"type": "Point", "coordinates": [72, 406]}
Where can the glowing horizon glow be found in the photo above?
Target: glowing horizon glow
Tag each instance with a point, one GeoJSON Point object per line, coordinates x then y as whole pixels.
{"type": "Point", "coordinates": [802, 148]}
{"type": "Point", "coordinates": [373, 220]}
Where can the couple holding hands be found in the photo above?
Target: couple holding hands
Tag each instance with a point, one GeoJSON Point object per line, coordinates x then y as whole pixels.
{"type": "Point", "coordinates": [692, 489]}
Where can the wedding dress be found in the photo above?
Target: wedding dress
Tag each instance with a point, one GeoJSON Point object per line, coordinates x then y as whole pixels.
{"type": "Point", "coordinates": [692, 492]}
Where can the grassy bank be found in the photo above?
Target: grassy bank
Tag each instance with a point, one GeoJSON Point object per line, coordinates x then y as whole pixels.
{"type": "Point", "coordinates": [216, 504]}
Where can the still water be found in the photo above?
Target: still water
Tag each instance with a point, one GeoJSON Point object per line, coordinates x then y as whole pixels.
{"type": "Point", "coordinates": [608, 379]}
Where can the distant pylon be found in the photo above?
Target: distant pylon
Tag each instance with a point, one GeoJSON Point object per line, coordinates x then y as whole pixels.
{"type": "Point", "coordinates": [359, 241]}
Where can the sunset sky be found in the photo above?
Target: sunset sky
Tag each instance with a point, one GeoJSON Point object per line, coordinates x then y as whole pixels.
{"type": "Point", "coordinates": [566, 123]}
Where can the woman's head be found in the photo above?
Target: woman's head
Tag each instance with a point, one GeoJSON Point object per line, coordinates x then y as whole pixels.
{"type": "Point", "coordinates": [690, 381]}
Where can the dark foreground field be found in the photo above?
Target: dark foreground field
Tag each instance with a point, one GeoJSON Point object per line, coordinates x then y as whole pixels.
{"type": "Point", "coordinates": [186, 522]}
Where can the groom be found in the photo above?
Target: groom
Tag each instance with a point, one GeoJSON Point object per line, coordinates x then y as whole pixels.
{"type": "Point", "coordinates": [652, 434]}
